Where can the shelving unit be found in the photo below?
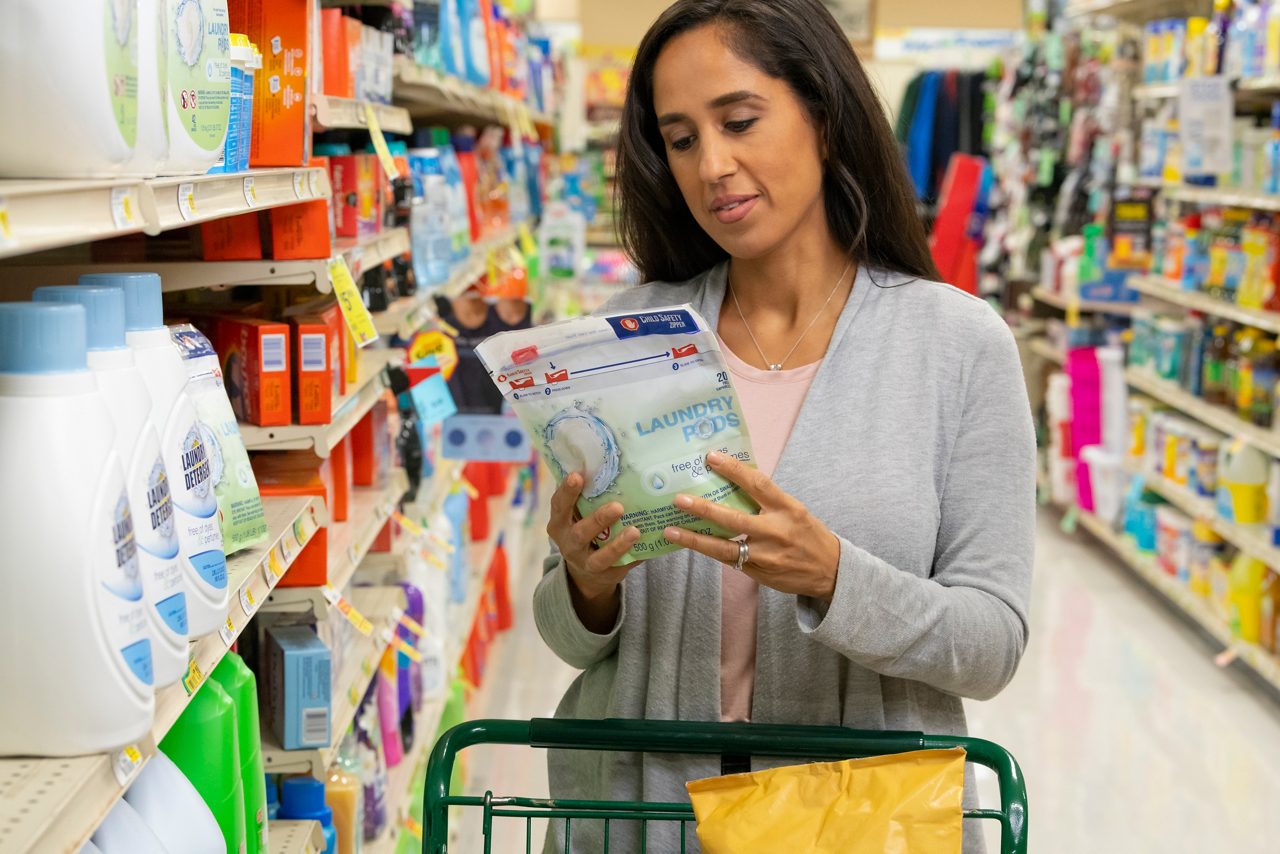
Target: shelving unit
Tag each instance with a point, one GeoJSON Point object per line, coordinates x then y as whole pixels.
{"type": "Point", "coordinates": [1135, 9]}
{"type": "Point", "coordinates": [295, 837]}
{"type": "Point", "coordinates": [1213, 416]}
{"type": "Point", "coordinates": [1222, 196]}
{"type": "Point", "coordinates": [1155, 91]}
{"type": "Point", "coordinates": [1042, 348]}
{"type": "Point", "coordinates": [365, 253]}
{"type": "Point", "coordinates": [324, 437]}
{"type": "Point", "coordinates": [1266, 665]}
{"type": "Point", "coordinates": [55, 804]}
{"type": "Point", "coordinates": [425, 90]}
{"type": "Point", "coordinates": [1159, 288]}
{"type": "Point", "coordinates": [1090, 306]}
{"type": "Point", "coordinates": [332, 113]}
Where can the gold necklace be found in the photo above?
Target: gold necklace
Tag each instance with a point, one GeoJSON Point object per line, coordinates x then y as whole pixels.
{"type": "Point", "coordinates": [777, 366]}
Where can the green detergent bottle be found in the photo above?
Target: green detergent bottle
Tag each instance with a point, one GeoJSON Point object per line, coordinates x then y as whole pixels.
{"type": "Point", "coordinates": [237, 679]}
{"type": "Point", "coordinates": [205, 747]}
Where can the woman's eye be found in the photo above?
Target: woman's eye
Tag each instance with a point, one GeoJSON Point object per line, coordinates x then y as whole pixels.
{"type": "Point", "coordinates": [741, 125]}
{"type": "Point", "coordinates": [684, 143]}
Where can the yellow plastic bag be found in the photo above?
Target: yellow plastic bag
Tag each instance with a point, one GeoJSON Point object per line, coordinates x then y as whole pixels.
{"type": "Point", "coordinates": [905, 802]}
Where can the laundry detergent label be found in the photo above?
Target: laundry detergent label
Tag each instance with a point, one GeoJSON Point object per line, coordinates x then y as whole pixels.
{"type": "Point", "coordinates": [120, 35]}
{"type": "Point", "coordinates": [120, 600]}
{"type": "Point", "coordinates": [634, 402]}
{"type": "Point", "coordinates": [157, 537]}
{"type": "Point", "coordinates": [198, 65]}
{"type": "Point", "coordinates": [195, 509]}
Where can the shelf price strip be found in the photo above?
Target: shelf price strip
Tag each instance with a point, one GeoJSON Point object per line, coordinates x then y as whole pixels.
{"type": "Point", "coordinates": [352, 614]}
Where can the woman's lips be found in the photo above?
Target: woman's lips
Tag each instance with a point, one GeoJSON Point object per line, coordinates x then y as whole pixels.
{"type": "Point", "coordinates": [731, 209]}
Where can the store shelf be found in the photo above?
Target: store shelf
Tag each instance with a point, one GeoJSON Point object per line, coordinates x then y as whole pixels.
{"type": "Point", "coordinates": [1045, 350]}
{"type": "Point", "coordinates": [425, 91]}
{"type": "Point", "coordinates": [37, 215]}
{"type": "Point", "coordinates": [324, 437]}
{"type": "Point", "coordinates": [1214, 416]}
{"type": "Point", "coordinates": [295, 837]}
{"type": "Point", "coordinates": [1136, 10]}
{"type": "Point", "coordinates": [1266, 85]}
{"type": "Point", "coordinates": [1197, 610]}
{"type": "Point", "coordinates": [1254, 540]}
{"type": "Point", "coordinates": [367, 512]}
{"type": "Point", "coordinates": [330, 113]}
{"type": "Point", "coordinates": [382, 607]}
{"type": "Point", "coordinates": [365, 253]}
{"type": "Point", "coordinates": [1161, 289]}
{"type": "Point", "coordinates": [1155, 92]}
{"type": "Point", "coordinates": [1092, 306]}
{"type": "Point", "coordinates": [55, 804]}
{"type": "Point", "coordinates": [187, 200]}
{"type": "Point", "coordinates": [1221, 196]}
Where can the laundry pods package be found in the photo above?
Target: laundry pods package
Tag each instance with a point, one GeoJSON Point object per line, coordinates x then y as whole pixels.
{"type": "Point", "coordinates": [634, 402]}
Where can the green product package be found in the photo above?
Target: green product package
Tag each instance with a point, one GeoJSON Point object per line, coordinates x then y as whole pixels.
{"type": "Point", "coordinates": [203, 743]}
{"type": "Point", "coordinates": [237, 680]}
{"type": "Point", "coordinates": [198, 68]}
{"type": "Point", "coordinates": [121, 53]}
{"type": "Point", "coordinates": [240, 512]}
{"type": "Point", "coordinates": [635, 402]}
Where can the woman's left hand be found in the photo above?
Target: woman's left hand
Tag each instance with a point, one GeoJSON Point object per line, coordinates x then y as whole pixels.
{"type": "Point", "coordinates": [788, 548]}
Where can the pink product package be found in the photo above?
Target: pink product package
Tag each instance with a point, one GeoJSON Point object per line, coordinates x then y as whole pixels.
{"type": "Point", "coordinates": [1086, 398]}
{"type": "Point", "coordinates": [1084, 487]}
{"type": "Point", "coordinates": [389, 720]}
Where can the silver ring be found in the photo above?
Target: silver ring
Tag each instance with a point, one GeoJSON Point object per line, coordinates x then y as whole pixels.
{"type": "Point", "coordinates": [744, 554]}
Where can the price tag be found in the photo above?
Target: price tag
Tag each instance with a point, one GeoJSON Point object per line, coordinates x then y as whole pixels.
{"type": "Point", "coordinates": [409, 525]}
{"type": "Point", "coordinates": [300, 185]}
{"type": "Point", "coordinates": [313, 182]}
{"type": "Point", "coordinates": [1073, 312]}
{"type": "Point", "coordinates": [354, 617]}
{"type": "Point", "coordinates": [124, 207]}
{"type": "Point", "coordinates": [330, 594]}
{"type": "Point", "coordinates": [380, 143]}
{"type": "Point", "coordinates": [126, 763]}
{"type": "Point", "coordinates": [286, 553]}
{"type": "Point", "coordinates": [412, 625]}
{"type": "Point", "coordinates": [441, 542]}
{"type": "Point", "coordinates": [366, 668]}
{"type": "Point", "coordinates": [434, 559]}
{"type": "Point", "coordinates": [353, 696]}
{"type": "Point", "coordinates": [250, 192]}
{"type": "Point", "coordinates": [432, 400]}
{"type": "Point", "coordinates": [379, 512]}
{"type": "Point", "coordinates": [405, 649]}
{"type": "Point", "coordinates": [469, 488]}
{"type": "Point", "coordinates": [415, 829]}
{"type": "Point", "coordinates": [272, 569]}
{"type": "Point", "coordinates": [353, 555]}
{"type": "Point", "coordinates": [194, 678]}
{"type": "Point", "coordinates": [187, 201]}
{"type": "Point", "coordinates": [247, 603]}
{"type": "Point", "coordinates": [354, 311]}
{"type": "Point", "coordinates": [6, 228]}
{"type": "Point", "coordinates": [227, 631]}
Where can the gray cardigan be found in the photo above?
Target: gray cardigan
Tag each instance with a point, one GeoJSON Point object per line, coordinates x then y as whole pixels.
{"type": "Point", "coordinates": [915, 446]}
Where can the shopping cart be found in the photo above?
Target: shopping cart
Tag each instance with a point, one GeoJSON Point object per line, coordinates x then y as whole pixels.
{"type": "Point", "coordinates": [734, 740]}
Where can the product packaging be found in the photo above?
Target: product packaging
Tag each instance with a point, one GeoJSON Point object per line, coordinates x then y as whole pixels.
{"type": "Point", "coordinates": [301, 231]}
{"type": "Point", "coordinates": [634, 402]}
{"type": "Point", "coordinates": [240, 513]}
{"type": "Point", "coordinates": [371, 448]}
{"type": "Point", "coordinates": [338, 81]}
{"type": "Point", "coordinates": [233, 238]}
{"type": "Point", "coordinates": [316, 345]}
{"type": "Point", "coordinates": [298, 693]}
{"type": "Point", "coordinates": [281, 129]}
{"type": "Point", "coordinates": [255, 366]}
{"type": "Point", "coordinates": [357, 194]}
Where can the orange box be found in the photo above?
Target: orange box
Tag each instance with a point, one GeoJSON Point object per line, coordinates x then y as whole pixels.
{"type": "Point", "coordinates": [301, 231]}
{"type": "Point", "coordinates": [314, 348]}
{"type": "Point", "coordinates": [327, 308]}
{"type": "Point", "coordinates": [336, 51]}
{"type": "Point", "coordinates": [255, 368]}
{"type": "Point", "coordinates": [357, 194]}
{"type": "Point", "coordinates": [340, 465]}
{"type": "Point", "coordinates": [371, 447]}
{"type": "Point", "coordinates": [233, 238]}
{"type": "Point", "coordinates": [311, 567]}
{"type": "Point", "coordinates": [281, 94]}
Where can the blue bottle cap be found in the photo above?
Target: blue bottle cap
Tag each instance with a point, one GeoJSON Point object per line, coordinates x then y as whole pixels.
{"type": "Point", "coordinates": [143, 304]}
{"type": "Point", "coordinates": [42, 338]}
{"type": "Point", "coordinates": [104, 311]}
{"type": "Point", "coordinates": [302, 798]}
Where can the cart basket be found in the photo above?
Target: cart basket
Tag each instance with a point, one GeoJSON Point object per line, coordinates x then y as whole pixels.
{"type": "Point", "coordinates": [814, 743]}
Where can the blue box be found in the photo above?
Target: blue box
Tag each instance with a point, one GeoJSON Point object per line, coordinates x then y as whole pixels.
{"type": "Point", "coordinates": [299, 692]}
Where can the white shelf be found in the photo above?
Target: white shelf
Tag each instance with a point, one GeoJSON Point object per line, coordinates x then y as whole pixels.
{"type": "Point", "coordinates": [426, 90]}
{"type": "Point", "coordinates": [365, 253]}
{"type": "Point", "coordinates": [295, 837]}
{"type": "Point", "coordinates": [332, 113]}
{"type": "Point", "coordinates": [1267, 84]}
{"type": "Point", "coordinates": [1222, 196]}
{"type": "Point", "coordinates": [1154, 286]}
{"type": "Point", "coordinates": [346, 414]}
{"type": "Point", "coordinates": [1136, 9]}
{"type": "Point", "coordinates": [1262, 662]}
{"type": "Point", "coordinates": [191, 199]}
{"type": "Point", "coordinates": [1088, 306]}
{"type": "Point", "coordinates": [367, 512]}
{"type": "Point", "coordinates": [379, 605]}
{"type": "Point", "coordinates": [56, 804]}
{"type": "Point", "coordinates": [1042, 348]}
{"type": "Point", "coordinates": [1214, 416]}
{"type": "Point", "coordinates": [1155, 91]}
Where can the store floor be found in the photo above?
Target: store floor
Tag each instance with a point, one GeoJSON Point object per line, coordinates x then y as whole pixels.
{"type": "Point", "coordinates": [1130, 737]}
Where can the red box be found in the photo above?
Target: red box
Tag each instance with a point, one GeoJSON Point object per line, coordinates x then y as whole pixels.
{"type": "Point", "coordinates": [340, 466]}
{"type": "Point", "coordinates": [314, 346]}
{"type": "Point", "coordinates": [336, 51]}
{"type": "Point", "coordinates": [301, 232]}
{"type": "Point", "coordinates": [281, 110]}
{"type": "Point", "coordinates": [255, 368]}
{"type": "Point", "coordinates": [233, 238]}
{"type": "Point", "coordinates": [357, 194]}
{"type": "Point", "coordinates": [371, 447]}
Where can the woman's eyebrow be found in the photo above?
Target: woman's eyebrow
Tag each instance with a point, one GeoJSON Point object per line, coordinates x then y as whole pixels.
{"type": "Point", "coordinates": [714, 104]}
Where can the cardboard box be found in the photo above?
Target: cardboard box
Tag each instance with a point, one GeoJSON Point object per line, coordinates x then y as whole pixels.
{"type": "Point", "coordinates": [301, 231]}
{"type": "Point", "coordinates": [340, 467]}
{"type": "Point", "coordinates": [371, 447]}
{"type": "Point", "coordinates": [281, 96]}
{"type": "Point", "coordinates": [255, 366]}
{"type": "Point", "coordinates": [315, 344]}
{"type": "Point", "coordinates": [357, 194]}
{"type": "Point", "coordinates": [276, 480]}
{"type": "Point", "coordinates": [233, 238]}
{"type": "Point", "coordinates": [327, 308]}
{"type": "Point", "coordinates": [338, 80]}
{"type": "Point", "coordinates": [298, 678]}
{"type": "Point", "coordinates": [355, 53]}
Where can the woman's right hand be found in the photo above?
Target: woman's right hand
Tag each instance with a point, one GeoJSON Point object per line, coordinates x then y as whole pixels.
{"type": "Point", "coordinates": [594, 580]}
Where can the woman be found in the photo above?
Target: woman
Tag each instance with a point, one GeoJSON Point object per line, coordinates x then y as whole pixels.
{"type": "Point", "coordinates": [888, 571]}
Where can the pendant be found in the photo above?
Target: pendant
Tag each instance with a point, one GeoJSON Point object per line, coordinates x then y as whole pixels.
{"type": "Point", "coordinates": [775, 367]}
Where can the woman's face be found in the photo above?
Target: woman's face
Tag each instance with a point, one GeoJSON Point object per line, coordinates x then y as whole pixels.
{"type": "Point", "coordinates": [742, 148]}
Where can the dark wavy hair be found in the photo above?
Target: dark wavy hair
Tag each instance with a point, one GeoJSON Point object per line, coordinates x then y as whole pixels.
{"type": "Point", "coordinates": [870, 206]}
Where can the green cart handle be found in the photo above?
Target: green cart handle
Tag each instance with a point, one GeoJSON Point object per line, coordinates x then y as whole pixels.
{"type": "Point", "coordinates": [692, 737]}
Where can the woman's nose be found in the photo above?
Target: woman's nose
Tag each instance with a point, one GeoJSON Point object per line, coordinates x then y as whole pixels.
{"type": "Point", "coordinates": [716, 161]}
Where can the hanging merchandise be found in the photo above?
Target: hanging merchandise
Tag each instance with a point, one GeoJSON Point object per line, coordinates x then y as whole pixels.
{"type": "Point", "coordinates": [58, 430]}
{"type": "Point", "coordinates": [173, 809]}
{"type": "Point", "coordinates": [138, 445]}
{"type": "Point", "coordinates": [197, 63]}
{"type": "Point", "coordinates": [182, 445]}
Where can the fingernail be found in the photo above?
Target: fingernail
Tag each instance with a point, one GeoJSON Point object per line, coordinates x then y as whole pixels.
{"type": "Point", "coordinates": [684, 502]}
{"type": "Point", "coordinates": [715, 458]}
{"type": "Point", "coordinates": [672, 535]}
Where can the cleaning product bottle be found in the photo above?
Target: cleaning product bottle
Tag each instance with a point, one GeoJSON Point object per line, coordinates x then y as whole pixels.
{"type": "Point", "coordinates": [388, 708]}
{"type": "Point", "coordinates": [205, 746]}
{"type": "Point", "coordinates": [1242, 483]}
{"type": "Point", "coordinates": [1245, 596]}
{"type": "Point", "coordinates": [464, 144]}
{"type": "Point", "coordinates": [125, 393]}
{"type": "Point", "coordinates": [344, 795]}
{"type": "Point", "coordinates": [197, 83]}
{"type": "Point", "coordinates": [1214, 375]}
{"type": "Point", "coordinates": [1216, 37]}
{"type": "Point", "coordinates": [152, 145]}
{"type": "Point", "coordinates": [173, 809]}
{"type": "Point", "coordinates": [1246, 355]}
{"type": "Point", "coordinates": [475, 41]}
{"type": "Point", "coordinates": [124, 832]}
{"type": "Point", "coordinates": [1271, 154]}
{"type": "Point", "coordinates": [429, 221]}
{"type": "Point", "coordinates": [237, 680]}
{"type": "Point", "coordinates": [459, 218]}
{"type": "Point", "coordinates": [302, 799]}
{"type": "Point", "coordinates": [195, 507]}
{"type": "Point", "coordinates": [82, 593]}
{"type": "Point", "coordinates": [1266, 374]}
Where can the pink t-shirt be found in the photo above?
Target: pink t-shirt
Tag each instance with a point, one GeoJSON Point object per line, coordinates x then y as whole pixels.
{"type": "Point", "coordinates": [771, 401]}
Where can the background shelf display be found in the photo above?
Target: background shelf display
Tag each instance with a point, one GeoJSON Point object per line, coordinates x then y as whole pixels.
{"type": "Point", "coordinates": [425, 90]}
{"type": "Point", "coordinates": [1214, 416]}
{"type": "Point", "coordinates": [1161, 289]}
{"type": "Point", "coordinates": [1155, 91]}
{"type": "Point", "coordinates": [1045, 350]}
{"type": "Point", "coordinates": [295, 837]}
{"type": "Point", "coordinates": [333, 113]}
{"type": "Point", "coordinates": [1223, 197]}
{"type": "Point", "coordinates": [55, 804]}
{"type": "Point", "coordinates": [1093, 306]}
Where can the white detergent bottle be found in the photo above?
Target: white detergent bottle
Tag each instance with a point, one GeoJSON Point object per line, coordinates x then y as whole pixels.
{"type": "Point", "coordinates": [174, 810]}
{"type": "Point", "coordinates": [152, 146]}
{"type": "Point", "coordinates": [70, 560]}
{"type": "Point", "coordinates": [186, 459]}
{"type": "Point", "coordinates": [138, 444]}
{"type": "Point", "coordinates": [197, 89]}
{"type": "Point", "coordinates": [124, 832]}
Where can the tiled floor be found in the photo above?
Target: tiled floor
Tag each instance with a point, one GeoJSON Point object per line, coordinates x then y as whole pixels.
{"type": "Point", "coordinates": [1131, 739]}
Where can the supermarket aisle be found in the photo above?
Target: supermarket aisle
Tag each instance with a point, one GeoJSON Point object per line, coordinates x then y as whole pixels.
{"type": "Point", "coordinates": [1130, 737]}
